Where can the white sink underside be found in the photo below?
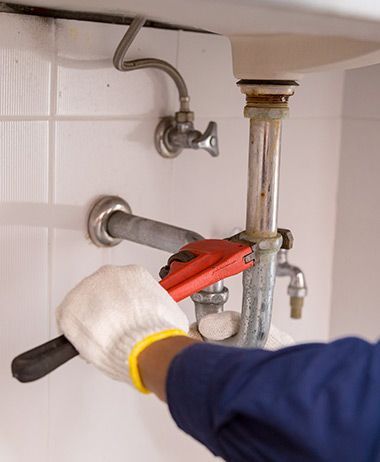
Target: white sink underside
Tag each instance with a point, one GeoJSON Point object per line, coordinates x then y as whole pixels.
{"type": "Point", "coordinates": [270, 39]}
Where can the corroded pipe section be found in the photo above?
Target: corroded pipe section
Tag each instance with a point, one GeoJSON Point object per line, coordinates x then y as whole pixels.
{"type": "Point", "coordinates": [263, 173]}
{"type": "Point", "coordinates": [266, 106]}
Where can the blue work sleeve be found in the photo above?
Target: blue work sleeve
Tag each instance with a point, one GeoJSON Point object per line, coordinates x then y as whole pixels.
{"type": "Point", "coordinates": [312, 402]}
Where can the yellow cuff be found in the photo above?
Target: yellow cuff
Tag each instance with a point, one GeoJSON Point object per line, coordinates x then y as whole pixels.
{"type": "Point", "coordinates": [139, 347]}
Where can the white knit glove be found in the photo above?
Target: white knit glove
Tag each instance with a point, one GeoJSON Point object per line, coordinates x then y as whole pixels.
{"type": "Point", "coordinates": [220, 326]}
{"type": "Point", "coordinates": [114, 314]}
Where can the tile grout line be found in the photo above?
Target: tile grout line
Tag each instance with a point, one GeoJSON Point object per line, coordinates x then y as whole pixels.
{"type": "Point", "coordinates": [81, 118]}
{"type": "Point", "coordinates": [150, 117]}
{"type": "Point", "coordinates": [336, 201]}
{"type": "Point", "coordinates": [172, 164]}
{"type": "Point", "coordinates": [51, 198]}
{"type": "Point", "coordinates": [75, 118]}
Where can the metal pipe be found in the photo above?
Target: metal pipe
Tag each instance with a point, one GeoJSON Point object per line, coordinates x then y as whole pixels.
{"type": "Point", "coordinates": [210, 300]}
{"type": "Point", "coordinates": [297, 288]}
{"type": "Point", "coordinates": [173, 134]}
{"type": "Point", "coordinates": [122, 65]}
{"type": "Point", "coordinates": [110, 221]}
{"type": "Point", "coordinates": [149, 232]}
{"type": "Point", "coordinates": [258, 288]}
{"type": "Point", "coordinates": [267, 104]}
{"type": "Point", "coordinates": [169, 238]}
{"type": "Point", "coordinates": [263, 174]}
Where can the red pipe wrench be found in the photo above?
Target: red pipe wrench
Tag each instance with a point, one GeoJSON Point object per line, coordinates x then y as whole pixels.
{"type": "Point", "coordinates": [195, 266]}
{"type": "Point", "coordinates": [202, 263]}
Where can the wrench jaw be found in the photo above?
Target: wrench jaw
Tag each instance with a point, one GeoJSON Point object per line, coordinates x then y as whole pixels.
{"type": "Point", "coordinates": [199, 264]}
{"type": "Point", "coordinates": [239, 238]}
{"type": "Point", "coordinates": [250, 257]}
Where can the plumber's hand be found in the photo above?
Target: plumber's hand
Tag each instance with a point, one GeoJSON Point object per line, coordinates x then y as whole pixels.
{"type": "Point", "coordinates": [220, 326]}
{"type": "Point", "coordinates": [114, 314]}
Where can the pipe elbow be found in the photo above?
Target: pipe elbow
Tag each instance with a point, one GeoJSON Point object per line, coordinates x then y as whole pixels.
{"type": "Point", "coordinates": [297, 288]}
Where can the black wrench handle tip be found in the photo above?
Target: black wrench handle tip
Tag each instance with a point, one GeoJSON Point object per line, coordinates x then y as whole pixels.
{"type": "Point", "coordinates": [40, 361]}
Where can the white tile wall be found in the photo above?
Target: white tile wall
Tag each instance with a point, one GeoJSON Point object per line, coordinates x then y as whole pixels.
{"type": "Point", "coordinates": [211, 192]}
{"type": "Point", "coordinates": [361, 93]}
{"type": "Point", "coordinates": [102, 156]}
{"type": "Point", "coordinates": [27, 45]}
{"type": "Point", "coordinates": [356, 270]}
{"type": "Point", "coordinates": [24, 152]}
{"type": "Point", "coordinates": [319, 95]}
{"type": "Point", "coordinates": [87, 83]}
{"type": "Point", "coordinates": [73, 128]}
{"type": "Point", "coordinates": [23, 323]}
{"type": "Point", "coordinates": [308, 191]}
{"type": "Point", "coordinates": [24, 90]}
{"type": "Point", "coordinates": [355, 302]}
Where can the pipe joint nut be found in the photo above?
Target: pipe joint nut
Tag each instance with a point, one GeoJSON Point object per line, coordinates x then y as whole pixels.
{"type": "Point", "coordinates": [299, 292]}
{"type": "Point", "coordinates": [266, 113]}
{"type": "Point", "coordinates": [270, 244]}
{"type": "Point", "coordinates": [287, 238]}
{"type": "Point", "coordinates": [213, 298]}
{"type": "Point", "coordinates": [184, 117]}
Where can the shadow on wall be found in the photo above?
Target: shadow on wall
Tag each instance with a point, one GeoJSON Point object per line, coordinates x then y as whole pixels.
{"type": "Point", "coordinates": [44, 215]}
{"type": "Point", "coordinates": [152, 411]}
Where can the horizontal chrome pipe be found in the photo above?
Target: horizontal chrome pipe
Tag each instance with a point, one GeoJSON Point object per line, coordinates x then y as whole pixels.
{"type": "Point", "coordinates": [149, 232]}
{"type": "Point", "coordinates": [110, 221]}
{"type": "Point", "coordinates": [169, 238]}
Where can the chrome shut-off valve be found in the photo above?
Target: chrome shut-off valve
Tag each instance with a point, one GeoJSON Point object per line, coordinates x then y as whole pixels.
{"type": "Point", "coordinates": [173, 134]}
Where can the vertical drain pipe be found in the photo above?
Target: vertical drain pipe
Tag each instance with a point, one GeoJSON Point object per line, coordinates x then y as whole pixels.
{"type": "Point", "coordinates": [266, 106]}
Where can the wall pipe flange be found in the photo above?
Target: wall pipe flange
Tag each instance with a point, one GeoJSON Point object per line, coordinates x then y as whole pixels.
{"type": "Point", "coordinates": [99, 216]}
{"type": "Point", "coordinates": [163, 146]}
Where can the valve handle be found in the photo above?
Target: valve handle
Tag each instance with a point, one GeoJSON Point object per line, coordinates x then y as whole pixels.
{"type": "Point", "coordinates": [208, 140]}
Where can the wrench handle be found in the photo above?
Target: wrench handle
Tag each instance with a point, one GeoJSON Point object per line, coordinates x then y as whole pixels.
{"type": "Point", "coordinates": [42, 360]}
